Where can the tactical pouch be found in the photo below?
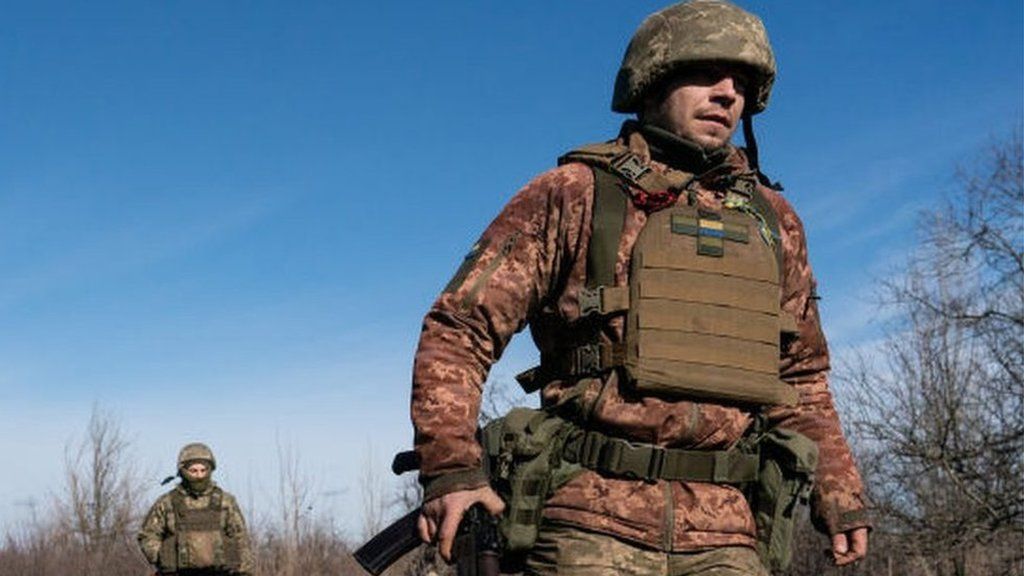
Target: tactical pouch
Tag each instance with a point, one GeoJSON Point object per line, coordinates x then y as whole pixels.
{"type": "Point", "coordinates": [167, 561]}
{"type": "Point", "coordinates": [525, 452]}
{"type": "Point", "coordinates": [788, 462]}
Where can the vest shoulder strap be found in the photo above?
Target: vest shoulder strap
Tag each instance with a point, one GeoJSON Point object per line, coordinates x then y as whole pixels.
{"type": "Point", "coordinates": [622, 162]}
{"type": "Point", "coordinates": [177, 503]}
{"type": "Point", "coordinates": [607, 220]}
{"type": "Point", "coordinates": [747, 197]}
{"type": "Point", "coordinates": [216, 499]}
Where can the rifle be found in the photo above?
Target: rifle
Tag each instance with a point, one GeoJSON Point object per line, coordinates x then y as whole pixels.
{"type": "Point", "coordinates": [477, 548]}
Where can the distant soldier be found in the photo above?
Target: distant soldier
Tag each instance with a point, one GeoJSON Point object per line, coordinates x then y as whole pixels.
{"type": "Point", "coordinates": [196, 529]}
{"type": "Point", "coordinates": [683, 372]}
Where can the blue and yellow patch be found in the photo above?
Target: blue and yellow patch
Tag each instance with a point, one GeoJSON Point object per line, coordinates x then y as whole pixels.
{"type": "Point", "coordinates": [710, 231]}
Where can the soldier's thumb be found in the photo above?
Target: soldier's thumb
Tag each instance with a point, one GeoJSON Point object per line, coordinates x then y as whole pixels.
{"type": "Point", "coordinates": [839, 544]}
{"type": "Point", "coordinates": [493, 503]}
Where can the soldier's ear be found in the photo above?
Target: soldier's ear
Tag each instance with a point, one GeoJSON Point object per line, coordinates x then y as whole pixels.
{"type": "Point", "coordinates": [649, 111]}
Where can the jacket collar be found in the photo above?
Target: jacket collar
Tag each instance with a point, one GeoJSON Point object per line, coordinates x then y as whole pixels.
{"type": "Point", "coordinates": [669, 149]}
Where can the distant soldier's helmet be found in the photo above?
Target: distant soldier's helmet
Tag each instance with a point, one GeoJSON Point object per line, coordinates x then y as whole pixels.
{"type": "Point", "coordinates": [196, 451]}
{"type": "Point", "coordinates": [700, 31]}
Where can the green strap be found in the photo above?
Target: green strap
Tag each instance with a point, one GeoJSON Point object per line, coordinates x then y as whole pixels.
{"type": "Point", "coordinates": [751, 201]}
{"type": "Point", "coordinates": [607, 220]}
{"type": "Point", "coordinates": [618, 457]}
{"type": "Point", "coordinates": [216, 499]}
{"type": "Point", "coordinates": [760, 203]}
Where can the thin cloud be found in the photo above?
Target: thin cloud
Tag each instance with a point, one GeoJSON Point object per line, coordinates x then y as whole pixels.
{"type": "Point", "coordinates": [113, 251]}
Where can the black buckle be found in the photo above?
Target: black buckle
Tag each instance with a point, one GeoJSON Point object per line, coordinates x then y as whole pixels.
{"type": "Point", "coordinates": [591, 301]}
{"type": "Point", "coordinates": [630, 167]}
{"type": "Point", "coordinates": [639, 462]}
{"type": "Point", "coordinates": [588, 359]}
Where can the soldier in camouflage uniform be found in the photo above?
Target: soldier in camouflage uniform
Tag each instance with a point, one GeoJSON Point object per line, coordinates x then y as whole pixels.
{"type": "Point", "coordinates": [640, 321]}
{"type": "Point", "coordinates": [196, 529]}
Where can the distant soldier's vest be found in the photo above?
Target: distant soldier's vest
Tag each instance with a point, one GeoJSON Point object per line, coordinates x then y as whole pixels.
{"type": "Point", "coordinates": [198, 540]}
{"type": "Point", "coordinates": [703, 319]}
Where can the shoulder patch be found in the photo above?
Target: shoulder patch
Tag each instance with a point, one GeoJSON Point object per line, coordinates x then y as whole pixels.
{"type": "Point", "coordinates": [467, 264]}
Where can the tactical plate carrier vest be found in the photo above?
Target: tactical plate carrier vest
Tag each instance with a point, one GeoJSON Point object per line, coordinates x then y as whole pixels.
{"type": "Point", "coordinates": [703, 321]}
{"type": "Point", "coordinates": [703, 318]}
{"type": "Point", "coordinates": [198, 539]}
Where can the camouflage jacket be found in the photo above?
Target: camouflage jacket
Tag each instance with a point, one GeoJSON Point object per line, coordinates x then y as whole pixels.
{"type": "Point", "coordinates": [528, 268]}
{"type": "Point", "coordinates": [160, 525]}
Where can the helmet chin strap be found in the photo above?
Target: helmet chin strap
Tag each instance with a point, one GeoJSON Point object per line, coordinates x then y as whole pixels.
{"type": "Point", "coordinates": [750, 141]}
{"type": "Point", "coordinates": [751, 146]}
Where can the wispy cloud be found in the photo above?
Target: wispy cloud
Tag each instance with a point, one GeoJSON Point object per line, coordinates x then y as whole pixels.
{"type": "Point", "coordinates": [122, 246]}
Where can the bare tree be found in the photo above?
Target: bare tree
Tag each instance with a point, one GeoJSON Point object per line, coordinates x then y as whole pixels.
{"type": "Point", "coordinates": [499, 396]}
{"type": "Point", "coordinates": [938, 411]}
{"type": "Point", "coordinates": [373, 492]}
{"type": "Point", "coordinates": [101, 501]}
{"type": "Point", "coordinates": [90, 530]}
{"type": "Point", "coordinates": [299, 542]}
{"type": "Point", "coordinates": [294, 494]}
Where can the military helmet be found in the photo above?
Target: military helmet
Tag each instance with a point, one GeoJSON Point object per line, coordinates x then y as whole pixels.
{"type": "Point", "coordinates": [196, 451]}
{"type": "Point", "coordinates": [695, 32]}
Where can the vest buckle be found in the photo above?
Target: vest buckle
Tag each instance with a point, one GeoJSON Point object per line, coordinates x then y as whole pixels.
{"type": "Point", "coordinates": [630, 167]}
{"type": "Point", "coordinates": [591, 300]}
{"type": "Point", "coordinates": [588, 359]}
{"type": "Point", "coordinates": [635, 461]}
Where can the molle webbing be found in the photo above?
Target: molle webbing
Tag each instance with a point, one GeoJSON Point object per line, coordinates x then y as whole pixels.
{"type": "Point", "coordinates": [198, 519]}
{"type": "Point", "coordinates": [198, 542]}
{"type": "Point", "coordinates": [618, 457]}
{"type": "Point", "coordinates": [704, 318]}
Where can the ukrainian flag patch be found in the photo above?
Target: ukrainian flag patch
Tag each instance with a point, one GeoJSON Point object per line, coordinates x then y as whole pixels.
{"type": "Point", "coordinates": [710, 231]}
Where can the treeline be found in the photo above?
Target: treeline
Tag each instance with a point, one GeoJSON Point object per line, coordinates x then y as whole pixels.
{"type": "Point", "coordinates": [89, 528]}
{"type": "Point", "coordinates": [934, 411]}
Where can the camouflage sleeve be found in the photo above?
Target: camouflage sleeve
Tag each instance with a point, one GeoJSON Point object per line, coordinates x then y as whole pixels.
{"type": "Point", "coordinates": [505, 277]}
{"type": "Point", "coordinates": [237, 532]}
{"type": "Point", "coordinates": [154, 529]}
{"type": "Point", "coordinates": [837, 502]}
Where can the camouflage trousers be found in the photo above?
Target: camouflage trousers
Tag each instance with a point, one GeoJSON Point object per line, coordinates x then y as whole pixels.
{"type": "Point", "coordinates": [567, 551]}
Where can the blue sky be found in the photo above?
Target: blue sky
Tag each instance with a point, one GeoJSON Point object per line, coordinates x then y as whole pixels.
{"type": "Point", "coordinates": [224, 221]}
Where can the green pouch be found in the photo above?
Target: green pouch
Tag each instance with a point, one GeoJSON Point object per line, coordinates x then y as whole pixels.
{"type": "Point", "coordinates": [788, 462]}
{"type": "Point", "coordinates": [167, 561]}
{"type": "Point", "coordinates": [524, 449]}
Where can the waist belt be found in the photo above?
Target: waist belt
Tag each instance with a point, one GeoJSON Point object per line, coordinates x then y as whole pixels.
{"type": "Point", "coordinates": [618, 457]}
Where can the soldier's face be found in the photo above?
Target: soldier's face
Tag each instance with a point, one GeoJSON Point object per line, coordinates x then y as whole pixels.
{"type": "Point", "coordinates": [702, 104]}
{"type": "Point", "coordinates": [197, 470]}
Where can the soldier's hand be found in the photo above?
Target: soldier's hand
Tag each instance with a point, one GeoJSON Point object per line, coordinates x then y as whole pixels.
{"type": "Point", "coordinates": [439, 518]}
{"type": "Point", "coordinates": [849, 546]}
